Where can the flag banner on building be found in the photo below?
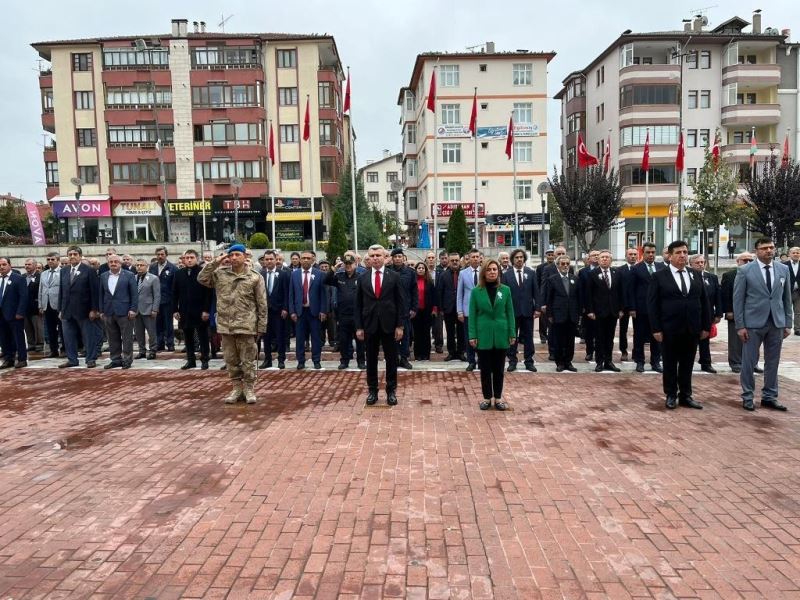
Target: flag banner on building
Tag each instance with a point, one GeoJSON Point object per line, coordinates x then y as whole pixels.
{"type": "Point", "coordinates": [715, 151]}
{"type": "Point", "coordinates": [510, 137]}
{"type": "Point", "coordinates": [445, 209]}
{"type": "Point", "coordinates": [432, 93]}
{"type": "Point", "coordinates": [35, 222]}
{"type": "Point", "coordinates": [753, 149]}
{"type": "Point", "coordinates": [584, 158]}
{"type": "Point", "coordinates": [347, 93]}
{"type": "Point", "coordinates": [785, 157]}
{"type": "Point", "coordinates": [307, 122]}
{"type": "Point", "coordinates": [473, 118]}
{"type": "Point", "coordinates": [679, 157]}
{"type": "Point", "coordinates": [271, 146]}
{"type": "Point", "coordinates": [500, 132]}
{"type": "Point", "coordinates": [607, 155]}
{"type": "Point", "coordinates": [646, 153]}
{"type": "Point", "coordinates": [454, 131]}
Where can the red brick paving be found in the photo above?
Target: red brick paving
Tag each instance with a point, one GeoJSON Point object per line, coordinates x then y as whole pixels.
{"type": "Point", "coordinates": [143, 485]}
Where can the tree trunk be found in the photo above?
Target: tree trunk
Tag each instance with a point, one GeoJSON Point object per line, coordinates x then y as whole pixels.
{"type": "Point", "coordinates": [716, 251]}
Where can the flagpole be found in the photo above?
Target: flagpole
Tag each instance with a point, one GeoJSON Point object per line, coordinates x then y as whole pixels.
{"type": "Point", "coordinates": [647, 196]}
{"type": "Point", "coordinates": [478, 240]}
{"type": "Point", "coordinates": [435, 174]}
{"type": "Point", "coordinates": [203, 205]}
{"type": "Point", "coordinates": [514, 184]}
{"type": "Point", "coordinates": [311, 180]}
{"type": "Point", "coordinates": [680, 192]}
{"type": "Point", "coordinates": [272, 182]}
{"type": "Point", "coordinates": [352, 167]}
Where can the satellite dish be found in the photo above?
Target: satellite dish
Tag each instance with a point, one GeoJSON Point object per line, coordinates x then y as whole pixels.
{"type": "Point", "coordinates": [397, 185]}
{"type": "Point", "coordinates": [544, 188]}
{"type": "Point", "coordinates": [236, 182]}
{"type": "Point", "coordinates": [77, 181]}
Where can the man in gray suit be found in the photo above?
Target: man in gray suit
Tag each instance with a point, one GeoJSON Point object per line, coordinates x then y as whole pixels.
{"type": "Point", "coordinates": [149, 289]}
{"type": "Point", "coordinates": [762, 311]}
{"type": "Point", "coordinates": [118, 303]}
{"type": "Point", "coordinates": [467, 281]}
{"type": "Point", "coordinates": [49, 301]}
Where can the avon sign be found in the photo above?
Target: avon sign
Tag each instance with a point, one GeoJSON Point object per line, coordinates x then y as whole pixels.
{"type": "Point", "coordinates": [82, 208]}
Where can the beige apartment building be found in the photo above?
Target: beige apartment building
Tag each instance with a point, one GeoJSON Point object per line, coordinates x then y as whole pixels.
{"type": "Point", "coordinates": [382, 181]}
{"type": "Point", "coordinates": [209, 98]}
{"type": "Point", "coordinates": [439, 152]}
{"type": "Point", "coordinates": [738, 78]}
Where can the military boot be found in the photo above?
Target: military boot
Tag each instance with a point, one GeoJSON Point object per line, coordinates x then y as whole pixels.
{"type": "Point", "coordinates": [235, 394]}
{"type": "Point", "coordinates": [249, 393]}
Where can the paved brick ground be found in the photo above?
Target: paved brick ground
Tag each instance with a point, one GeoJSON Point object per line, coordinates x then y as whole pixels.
{"type": "Point", "coordinates": [143, 485]}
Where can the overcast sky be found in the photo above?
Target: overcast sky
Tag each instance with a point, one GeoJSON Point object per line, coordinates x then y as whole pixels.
{"type": "Point", "coordinates": [378, 40]}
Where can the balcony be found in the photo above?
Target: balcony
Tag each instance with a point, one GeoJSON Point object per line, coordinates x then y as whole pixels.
{"type": "Point", "coordinates": [49, 122]}
{"type": "Point", "coordinates": [751, 114]}
{"type": "Point", "coordinates": [752, 77]}
{"type": "Point", "coordinates": [649, 114]}
{"type": "Point", "coordinates": [649, 74]}
{"type": "Point", "coordinates": [659, 153]}
{"type": "Point", "coordinates": [660, 194]}
{"type": "Point", "coordinates": [741, 152]}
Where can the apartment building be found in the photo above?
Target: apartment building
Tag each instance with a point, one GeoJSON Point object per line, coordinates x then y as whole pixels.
{"type": "Point", "coordinates": [738, 78]}
{"type": "Point", "coordinates": [382, 183]}
{"type": "Point", "coordinates": [209, 98]}
{"type": "Point", "coordinates": [445, 167]}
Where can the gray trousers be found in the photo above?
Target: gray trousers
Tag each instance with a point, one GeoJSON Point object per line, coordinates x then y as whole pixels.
{"type": "Point", "coordinates": [772, 339]}
{"type": "Point", "coordinates": [119, 331]}
{"type": "Point", "coordinates": [142, 324]}
{"type": "Point", "coordinates": [734, 346]}
{"type": "Point", "coordinates": [796, 306]}
{"type": "Point", "coordinates": [34, 331]}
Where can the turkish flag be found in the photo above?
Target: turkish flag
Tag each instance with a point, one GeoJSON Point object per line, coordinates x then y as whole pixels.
{"type": "Point", "coordinates": [432, 93]}
{"type": "Point", "coordinates": [607, 155]}
{"type": "Point", "coordinates": [271, 145]}
{"type": "Point", "coordinates": [473, 118]}
{"type": "Point", "coordinates": [680, 156]}
{"type": "Point", "coordinates": [584, 158]}
{"type": "Point", "coordinates": [646, 153]}
{"type": "Point", "coordinates": [347, 94]}
{"type": "Point", "coordinates": [307, 122]}
{"type": "Point", "coordinates": [510, 137]}
{"type": "Point", "coordinates": [785, 157]}
{"type": "Point", "coordinates": [715, 151]}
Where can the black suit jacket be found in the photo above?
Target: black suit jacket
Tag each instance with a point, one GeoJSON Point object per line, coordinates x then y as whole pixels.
{"type": "Point", "coordinates": [714, 294]}
{"type": "Point", "coordinates": [602, 300]}
{"type": "Point", "coordinates": [33, 294]}
{"type": "Point", "coordinates": [726, 291]}
{"type": "Point", "coordinates": [563, 307]}
{"type": "Point", "coordinates": [190, 298]}
{"type": "Point", "coordinates": [673, 313]}
{"type": "Point", "coordinates": [446, 291]}
{"type": "Point", "coordinates": [278, 300]}
{"type": "Point", "coordinates": [792, 279]}
{"type": "Point", "coordinates": [548, 270]}
{"type": "Point", "coordinates": [636, 285]}
{"type": "Point", "coordinates": [82, 295]}
{"type": "Point", "coordinates": [166, 279]}
{"type": "Point", "coordinates": [379, 314]}
{"type": "Point", "coordinates": [525, 297]}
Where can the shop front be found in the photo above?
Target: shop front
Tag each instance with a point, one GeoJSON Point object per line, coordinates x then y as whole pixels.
{"type": "Point", "coordinates": [186, 220]}
{"type": "Point", "coordinates": [251, 215]}
{"type": "Point", "coordinates": [659, 224]}
{"type": "Point", "coordinates": [87, 219]}
{"type": "Point", "coordinates": [138, 220]}
{"type": "Point", "coordinates": [533, 238]}
{"type": "Point", "coordinates": [292, 220]}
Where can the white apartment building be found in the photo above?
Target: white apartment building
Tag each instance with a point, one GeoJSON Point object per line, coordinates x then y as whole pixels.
{"type": "Point", "coordinates": [697, 80]}
{"type": "Point", "coordinates": [439, 152]}
{"type": "Point", "coordinates": [382, 181]}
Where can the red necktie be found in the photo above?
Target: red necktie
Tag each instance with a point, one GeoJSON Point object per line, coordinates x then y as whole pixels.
{"type": "Point", "coordinates": [305, 288]}
{"type": "Point", "coordinates": [377, 284]}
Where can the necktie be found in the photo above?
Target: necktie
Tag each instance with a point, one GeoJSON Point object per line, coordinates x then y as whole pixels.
{"type": "Point", "coordinates": [455, 280]}
{"type": "Point", "coordinates": [769, 278]}
{"type": "Point", "coordinates": [377, 284]}
{"type": "Point", "coordinates": [2, 288]}
{"type": "Point", "coordinates": [519, 277]}
{"type": "Point", "coordinates": [684, 291]}
{"type": "Point", "coordinates": [305, 287]}
{"type": "Point", "coordinates": [475, 277]}
{"type": "Point", "coordinates": [606, 279]}
{"type": "Point", "coordinates": [269, 281]}
{"type": "Point", "coordinates": [565, 281]}
{"type": "Point", "coordinates": [50, 278]}
{"type": "Point", "coordinates": [72, 274]}
{"type": "Point", "coordinates": [650, 269]}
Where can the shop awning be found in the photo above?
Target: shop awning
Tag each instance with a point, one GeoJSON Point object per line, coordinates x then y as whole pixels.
{"type": "Point", "coordinates": [293, 216]}
{"type": "Point", "coordinates": [84, 197]}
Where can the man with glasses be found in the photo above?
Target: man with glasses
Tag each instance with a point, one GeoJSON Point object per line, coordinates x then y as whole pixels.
{"type": "Point", "coordinates": [49, 302]}
{"type": "Point", "coordinates": [467, 281]}
{"type": "Point", "coordinates": [734, 343]}
{"type": "Point", "coordinates": [119, 301]}
{"type": "Point", "coordinates": [714, 293]}
{"type": "Point", "coordinates": [794, 282]}
{"type": "Point", "coordinates": [104, 268]}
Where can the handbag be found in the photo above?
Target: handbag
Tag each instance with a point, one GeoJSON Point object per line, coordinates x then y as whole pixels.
{"type": "Point", "coordinates": [713, 333]}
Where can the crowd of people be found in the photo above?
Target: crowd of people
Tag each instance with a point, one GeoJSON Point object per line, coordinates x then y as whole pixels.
{"type": "Point", "coordinates": [469, 308]}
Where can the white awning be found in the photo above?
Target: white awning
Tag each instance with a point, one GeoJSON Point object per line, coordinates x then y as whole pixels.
{"type": "Point", "coordinates": [87, 197]}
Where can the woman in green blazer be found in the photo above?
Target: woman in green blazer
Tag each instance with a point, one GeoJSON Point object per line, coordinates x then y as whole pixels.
{"type": "Point", "coordinates": [492, 329]}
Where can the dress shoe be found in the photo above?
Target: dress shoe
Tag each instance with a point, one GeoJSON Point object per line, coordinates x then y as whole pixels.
{"type": "Point", "coordinates": [391, 398]}
{"type": "Point", "coordinates": [530, 367]}
{"type": "Point", "coordinates": [690, 402]}
{"type": "Point", "coordinates": [189, 364]}
{"type": "Point", "coordinates": [708, 369]}
{"type": "Point", "coordinates": [462, 357]}
{"type": "Point", "coordinates": [500, 405]}
{"type": "Point", "coordinates": [171, 348]}
{"type": "Point", "coordinates": [372, 398]}
{"type": "Point", "coordinates": [672, 402]}
{"type": "Point", "coordinates": [362, 365]}
{"type": "Point", "coordinates": [317, 364]}
{"type": "Point", "coordinates": [53, 355]}
{"type": "Point", "coordinates": [736, 369]}
{"type": "Point", "coordinates": [559, 368]}
{"type": "Point", "coordinates": [20, 363]}
{"type": "Point", "coordinates": [748, 404]}
{"type": "Point", "coordinates": [343, 365]}
{"type": "Point", "coordinates": [450, 357]}
{"type": "Point", "coordinates": [265, 365]}
{"type": "Point", "coordinates": [774, 405]}
{"type": "Point", "coordinates": [161, 348]}
{"type": "Point", "coordinates": [623, 357]}
{"type": "Point", "coordinates": [797, 331]}
{"type": "Point", "coordinates": [404, 364]}
{"type": "Point", "coordinates": [758, 370]}
{"type": "Point", "coordinates": [151, 356]}
{"type": "Point", "coordinates": [485, 405]}
{"type": "Point", "coordinates": [598, 368]}
{"type": "Point", "coordinates": [640, 367]}
{"type": "Point", "coordinates": [609, 366]}
{"type": "Point", "coordinates": [571, 368]}
{"type": "Point", "coordinates": [91, 364]}
{"type": "Point", "coordinates": [281, 364]}
{"type": "Point", "coordinates": [224, 367]}
{"type": "Point", "coordinates": [67, 365]}
{"type": "Point", "coordinates": [141, 355]}
{"type": "Point", "coordinates": [512, 366]}
{"type": "Point", "coordinates": [589, 356]}
{"type": "Point", "coordinates": [551, 357]}
{"type": "Point", "coordinates": [543, 339]}
{"type": "Point", "coordinates": [470, 367]}
{"type": "Point", "coordinates": [657, 368]}
{"type": "Point", "coordinates": [204, 365]}
{"type": "Point", "coordinates": [301, 366]}
{"type": "Point", "coordinates": [7, 364]}
{"type": "Point", "coordinates": [111, 365]}
{"type": "Point", "coordinates": [126, 365]}
{"type": "Point", "coordinates": [438, 349]}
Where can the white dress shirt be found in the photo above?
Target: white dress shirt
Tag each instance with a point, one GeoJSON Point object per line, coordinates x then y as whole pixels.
{"type": "Point", "coordinates": [112, 282]}
{"type": "Point", "coordinates": [373, 278]}
{"type": "Point", "coordinates": [677, 277]}
{"type": "Point", "coordinates": [761, 268]}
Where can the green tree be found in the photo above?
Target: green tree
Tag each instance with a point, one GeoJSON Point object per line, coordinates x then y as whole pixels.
{"type": "Point", "coordinates": [337, 241]}
{"type": "Point", "coordinates": [457, 238]}
{"type": "Point", "coordinates": [14, 219]}
{"type": "Point", "coordinates": [556, 221]}
{"type": "Point", "coordinates": [369, 231]}
{"type": "Point", "coordinates": [258, 241]}
{"type": "Point", "coordinates": [772, 203]}
{"type": "Point", "coordinates": [714, 203]}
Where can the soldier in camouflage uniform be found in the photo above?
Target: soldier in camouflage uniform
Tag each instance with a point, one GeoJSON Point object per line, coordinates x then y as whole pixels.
{"type": "Point", "coordinates": [241, 318]}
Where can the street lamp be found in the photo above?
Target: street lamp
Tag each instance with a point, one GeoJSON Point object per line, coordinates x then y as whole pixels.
{"type": "Point", "coordinates": [678, 54]}
{"type": "Point", "coordinates": [236, 182]}
{"type": "Point", "coordinates": [79, 183]}
{"type": "Point", "coordinates": [543, 189]}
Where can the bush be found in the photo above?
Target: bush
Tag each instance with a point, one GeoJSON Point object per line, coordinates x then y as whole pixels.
{"type": "Point", "coordinates": [259, 241]}
{"type": "Point", "coordinates": [337, 242]}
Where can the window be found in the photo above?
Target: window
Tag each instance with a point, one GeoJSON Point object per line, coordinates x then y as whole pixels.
{"type": "Point", "coordinates": [449, 75]}
{"type": "Point", "coordinates": [705, 99]}
{"type": "Point", "coordinates": [411, 133]}
{"type": "Point", "coordinates": [86, 138]}
{"type": "Point", "coordinates": [392, 198]}
{"type": "Point", "coordinates": [373, 198]}
{"type": "Point", "coordinates": [327, 133]}
{"type": "Point", "coordinates": [691, 59]}
{"type": "Point", "coordinates": [600, 111]}
{"type": "Point", "coordinates": [88, 173]}
{"type": "Point", "coordinates": [451, 114]}
{"type": "Point", "coordinates": [482, 67]}
{"type": "Point", "coordinates": [136, 97]}
{"type": "Point", "coordinates": [391, 176]}
{"type": "Point", "coordinates": [451, 153]}
{"type": "Point", "coordinates": [219, 95]}
{"type": "Point", "coordinates": [47, 100]}
{"type": "Point", "coordinates": [452, 191]}
{"type": "Point", "coordinates": [524, 189]}
{"type": "Point", "coordinates": [139, 134]}
{"type": "Point", "coordinates": [748, 59]}
{"type": "Point", "coordinates": [327, 168]}
{"type": "Point", "coordinates": [643, 60]}
{"type": "Point", "coordinates": [290, 134]}
{"type": "Point", "coordinates": [692, 99]}
{"type": "Point", "coordinates": [410, 100]}
{"type": "Point", "coordinates": [691, 176]}
{"type": "Point", "coordinates": [705, 59]}
{"type": "Point", "coordinates": [523, 151]}
{"type": "Point", "coordinates": [81, 61]}
{"type": "Point", "coordinates": [411, 167]}
{"type": "Point", "coordinates": [574, 89]}
{"type": "Point", "coordinates": [225, 56]}
{"type": "Point", "coordinates": [571, 157]}
{"type": "Point", "coordinates": [325, 94]}
{"type": "Point", "coordinates": [287, 59]}
{"type": "Point", "coordinates": [51, 173]}
{"type": "Point", "coordinates": [742, 137]}
{"type": "Point", "coordinates": [129, 58]}
{"type": "Point", "coordinates": [287, 96]}
{"type": "Point", "coordinates": [372, 177]}
{"type": "Point", "coordinates": [290, 170]}
{"type": "Point", "coordinates": [223, 170]}
{"type": "Point", "coordinates": [523, 113]}
{"type": "Point", "coordinates": [597, 78]}
{"type": "Point", "coordinates": [631, 95]}
{"type": "Point", "coordinates": [659, 134]}
{"type": "Point", "coordinates": [84, 101]}
{"type": "Point", "coordinates": [691, 138]}
{"type": "Point", "coordinates": [142, 173]}
{"type": "Point", "coordinates": [522, 73]}
{"type": "Point", "coordinates": [575, 121]}
{"type": "Point", "coordinates": [749, 98]}
{"type": "Point", "coordinates": [412, 200]}
{"type": "Point", "coordinates": [633, 175]}
{"type": "Point", "coordinates": [704, 136]}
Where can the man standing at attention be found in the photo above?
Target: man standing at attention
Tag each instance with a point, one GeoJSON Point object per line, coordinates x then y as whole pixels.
{"type": "Point", "coordinates": [241, 318]}
{"type": "Point", "coordinates": [467, 280]}
{"type": "Point", "coordinates": [80, 308]}
{"type": "Point", "coordinates": [308, 307]}
{"type": "Point", "coordinates": [149, 290]}
{"type": "Point", "coordinates": [165, 271]}
{"type": "Point", "coordinates": [13, 306]}
{"type": "Point", "coordinates": [762, 310]}
{"type": "Point", "coordinates": [119, 301]}
{"type": "Point", "coordinates": [794, 283]}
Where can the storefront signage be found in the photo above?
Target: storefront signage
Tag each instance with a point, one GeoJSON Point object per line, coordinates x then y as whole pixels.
{"type": "Point", "coordinates": [445, 209]}
{"type": "Point", "coordinates": [137, 208]}
{"type": "Point", "coordinates": [524, 219]}
{"type": "Point", "coordinates": [81, 208]}
{"type": "Point", "coordinates": [189, 207]}
{"type": "Point", "coordinates": [453, 131]}
{"type": "Point", "coordinates": [295, 204]}
{"type": "Point", "coordinates": [501, 131]}
{"type": "Point", "coordinates": [247, 206]}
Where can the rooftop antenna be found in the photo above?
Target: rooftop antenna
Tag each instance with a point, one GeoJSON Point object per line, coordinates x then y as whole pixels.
{"type": "Point", "coordinates": [701, 12]}
{"type": "Point", "coordinates": [476, 46]}
{"type": "Point", "coordinates": [224, 20]}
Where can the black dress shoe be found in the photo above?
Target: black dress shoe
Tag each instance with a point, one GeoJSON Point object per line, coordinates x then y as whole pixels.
{"type": "Point", "coordinates": [589, 356]}
{"type": "Point", "coordinates": [224, 367]}
{"type": "Point", "coordinates": [530, 367]}
{"type": "Point", "coordinates": [559, 368]}
{"type": "Point", "coordinates": [672, 402]}
{"type": "Point", "coordinates": [151, 356]}
{"type": "Point", "coordinates": [551, 357]}
{"type": "Point", "coordinates": [774, 405]}
{"type": "Point", "coordinates": [485, 405]}
{"type": "Point", "coordinates": [438, 349]}
{"type": "Point", "coordinates": [53, 355]}
{"type": "Point", "coordinates": [343, 365]}
{"type": "Point", "coordinates": [189, 364]}
{"type": "Point", "coordinates": [471, 367]}
{"type": "Point", "coordinates": [450, 357]}
{"type": "Point", "coordinates": [317, 364]}
{"type": "Point", "coordinates": [7, 364]}
{"type": "Point", "coordinates": [126, 365]}
{"type": "Point", "coordinates": [391, 398]}
{"type": "Point", "coordinates": [265, 365]}
{"type": "Point", "coordinates": [611, 367]}
{"type": "Point", "coordinates": [690, 402]}
{"type": "Point", "coordinates": [640, 367]}
{"type": "Point", "coordinates": [204, 365]}
{"type": "Point", "coordinates": [708, 369]}
{"type": "Point", "coordinates": [20, 363]}
{"type": "Point", "coordinates": [736, 369]}
{"type": "Point", "coordinates": [623, 357]}
{"type": "Point", "coordinates": [748, 405]}
{"type": "Point", "coordinates": [512, 366]}
{"type": "Point", "coordinates": [281, 364]}
{"type": "Point", "coordinates": [362, 365]}
{"type": "Point", "coordinates": [91, 364]}
{"type": "Point", "coordinates": [141, 355]}
{"type": "Point", "coordinates": [372, 398]}
{"type": "Point", "coordinates": [462, 357]}
{"type": "Point", "coordinates": [67, 365]}
{"type": "Point", "coordinates": [301, 366]}
{"type": "Point", "coordinates": [500, 405]}
{"type": "Point", "coordinates": [758, 370]}
{"type": "Point", "coordinates": [404, 364]}
{"type": "Point", "coordinates": [657, 368]}
{"type": "Point", "coordinates": [598, 369]}
{"type": "Point", "coordinates": [570, 367]}
{"type": "Point", "coordinates": [171, 348]}
{"type": "Point", "coordinates": [111, 365]}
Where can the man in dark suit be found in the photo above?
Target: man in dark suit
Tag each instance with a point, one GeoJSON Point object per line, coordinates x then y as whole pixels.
{"type": "Point", "coordinates": [794, 282]}
{"type": "Point", "coordinates": [549, 257]}
{"type": "Point", "coordinates": [13, 307]}
{"type": "Point", "coordinates": [408, 280]}
{"type": "Point", "coordinates": [34, 331]}
{"type": "Point", "coordinates": [165, 271]}
{"type": "Point", "coordinates": [345, 281]}
{"type": "Point", "coordinates": [524, 293]}
{"type": "Point", "coordinates": [379, 322]}
{"type": "Point", "coordinates": [588, 325]}
{"type": "Point", "coordinates": [548, 270]}
{"type": "Point", "coordinates": [447, 292]}
{"type": "Point", "coordinates": [637, 306]}
{"type": "Point", "coordinates": [80, 309]}
{"type": "Point", "coordinates": [679, 317]}
{"type": "Point", "coordinates": [119, 301]}
{"type": "Point", "coordinates": [308, 307]}
{"type": "Point", "coordinates": [276, 282]}
{"type": "Point", "coordinates": [437, 322]}
{"type": "Point", "coordinates": [714, 295]}
{"type": "Point", "coordinates": [603, 307]}
{"type": "Point", "coordinates": [563, 311]}
{"type": "Point", "coordinates": [726, 293]}
{"type": "Point", "coordinates": [191, 301]}
{"type": "Point", "coordinates": [631, 256]}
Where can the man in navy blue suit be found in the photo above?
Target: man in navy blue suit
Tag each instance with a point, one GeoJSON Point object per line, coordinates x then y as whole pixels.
{"type": "Point", "coordinates": [636, 304]}
{"type": "Point", "coordinates": [524, 291]}
{"type": "Point", "coordinates": [308, 305]}
{"type": "Point", "coordinates": [80, 309]}
{"type": "Point", "coordinates": [165, 271]}
{"type": "Point", "coordinates": [277, 285]}
{"type": "Point", "coordinates": [13, 306]}
{"type": "Point", "coordinates": [119, 300]}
